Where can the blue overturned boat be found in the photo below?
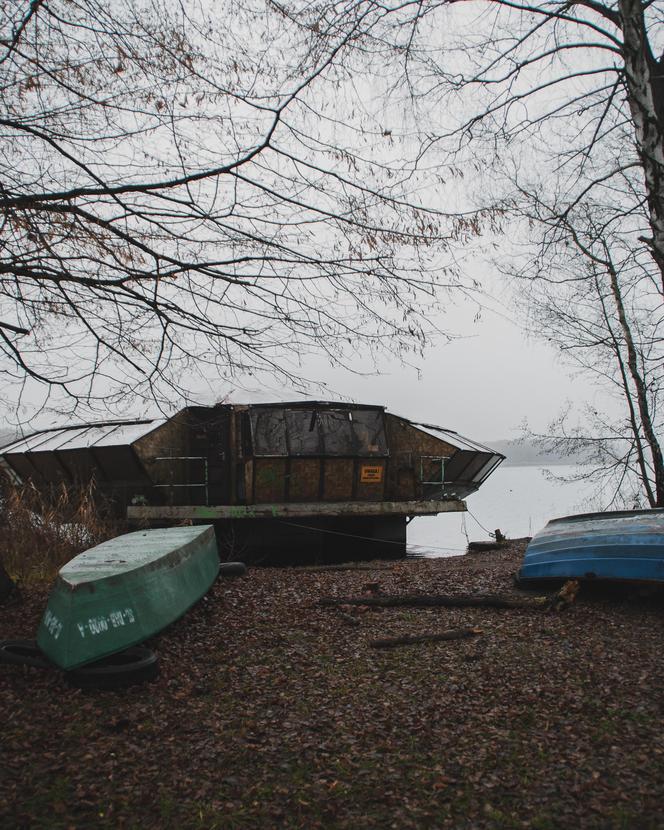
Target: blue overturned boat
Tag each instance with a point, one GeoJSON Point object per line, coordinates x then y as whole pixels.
{"type": "Point", "coordinates": [623, 546]}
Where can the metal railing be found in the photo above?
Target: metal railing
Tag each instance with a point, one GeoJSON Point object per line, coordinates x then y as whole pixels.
{"type": "Point", "coordinates": [437, 459]}
{"type": "Point", "coordinates": [204, 483]}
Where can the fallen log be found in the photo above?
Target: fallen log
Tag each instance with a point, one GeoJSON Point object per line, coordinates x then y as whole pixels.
{"type": "Point", "coordinates": [483, 547]}
{"type": "Point", "coordinates": [499, 541]}
{"type": "Point", "coordinates": [407, 640]}
{"type": "Point", "coordinates": [440, 601]}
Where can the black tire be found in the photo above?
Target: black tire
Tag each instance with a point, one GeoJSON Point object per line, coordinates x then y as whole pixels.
{"type": "Point", "coordinates": [232, 569]}
{"type": "Point", "coordinates": [25, 653]}
{"type": "Point", "coordinates": [137, 664]}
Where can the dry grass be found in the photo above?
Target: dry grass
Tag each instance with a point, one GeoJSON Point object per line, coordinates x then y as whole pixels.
{"type": "Point", "coordinates": [41, 532]}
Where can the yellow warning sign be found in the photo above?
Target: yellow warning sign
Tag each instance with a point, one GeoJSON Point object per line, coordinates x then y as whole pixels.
{"type": "Point", "coordinates": [371, 475]}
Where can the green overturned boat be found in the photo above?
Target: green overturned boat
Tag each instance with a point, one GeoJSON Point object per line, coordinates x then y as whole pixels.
{"type": "Point", "coordinates": [123, 591]}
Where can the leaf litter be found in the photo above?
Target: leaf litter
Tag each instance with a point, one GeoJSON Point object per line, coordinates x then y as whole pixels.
{"type": "Point", "coordinates": [273, 711]}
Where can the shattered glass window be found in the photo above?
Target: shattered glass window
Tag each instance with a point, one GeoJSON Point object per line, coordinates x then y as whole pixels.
{"type": "Point", "coordinates": [304, 436]}
{"type": "Point", "coordinates": [268, 432]}
{"type": "Point", "coordinates": [369, 432]}
{"type": "Point", "coordinates": [313, 432]}
{"type": "Point", "coordinates": [337, 429]}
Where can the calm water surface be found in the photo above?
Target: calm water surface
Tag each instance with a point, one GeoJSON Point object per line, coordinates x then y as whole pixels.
{"type": "Point", "coordinates": [518, 500]}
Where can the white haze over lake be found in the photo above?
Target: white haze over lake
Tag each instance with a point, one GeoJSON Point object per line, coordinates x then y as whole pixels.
{"type": "Point", "coordinates": [517, 500]}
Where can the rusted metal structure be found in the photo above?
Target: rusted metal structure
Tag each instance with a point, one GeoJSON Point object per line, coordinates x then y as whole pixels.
{"type": "Point", "coordinates": [287, 475]}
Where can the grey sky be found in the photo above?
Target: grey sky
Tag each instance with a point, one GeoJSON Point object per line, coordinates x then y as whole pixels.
{"type": "Point", "coordinates": [484, 383]}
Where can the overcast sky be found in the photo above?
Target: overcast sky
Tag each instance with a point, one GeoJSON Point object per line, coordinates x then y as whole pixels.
{"type": "Point", "coordinates": [483, 384]}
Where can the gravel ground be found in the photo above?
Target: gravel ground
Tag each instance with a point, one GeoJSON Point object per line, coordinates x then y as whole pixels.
{"type": "Point", "coordinates": [271, 711]}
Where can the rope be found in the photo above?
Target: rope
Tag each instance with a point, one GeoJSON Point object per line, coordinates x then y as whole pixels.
{"type": "Point", "coordinates": [464, 528]}
{"type": "Point", "coordinates": [365, 538]}
{"type": "Point", "coordinates": [486, 530]}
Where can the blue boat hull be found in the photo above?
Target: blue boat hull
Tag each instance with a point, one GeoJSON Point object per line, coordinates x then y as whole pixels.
{"type": "Point", "coordinates": [620, 546]}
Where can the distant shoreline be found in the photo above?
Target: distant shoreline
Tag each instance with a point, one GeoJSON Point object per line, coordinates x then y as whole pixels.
{"type": "Point", "coordinates": [518, 454]}
{"type": "Point", "coordinates": [545, 462]}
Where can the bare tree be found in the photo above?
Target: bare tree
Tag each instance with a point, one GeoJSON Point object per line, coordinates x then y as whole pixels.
{"type": "Point", "coordinates": [566, 80]}
{"type": "Point", "coordinates": [555, 111]}
{"type": "Point", "coordinates": [186, 189]}
{"type": "Point", "coordinates": [591, 295]}
{"type": "Point", "coordinates": [570, 90]}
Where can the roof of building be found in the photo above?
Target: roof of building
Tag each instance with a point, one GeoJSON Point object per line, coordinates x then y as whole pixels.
{"type": "Point", "coordinates": [115, 433]}
{"type": "Point", "coordinates": [82, 436]}
{"type": "Point", "coordinates": [453, 438]}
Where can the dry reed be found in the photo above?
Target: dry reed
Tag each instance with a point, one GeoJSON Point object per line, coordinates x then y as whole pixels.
{"type": "Point", "coordinates": [40, 532]}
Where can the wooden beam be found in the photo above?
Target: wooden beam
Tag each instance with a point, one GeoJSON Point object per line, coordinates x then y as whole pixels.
{"type": "Point", "coordinates": [297, 510]}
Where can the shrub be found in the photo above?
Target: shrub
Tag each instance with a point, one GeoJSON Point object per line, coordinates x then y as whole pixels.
{"type": "Point", "coordinates": [41, 531]}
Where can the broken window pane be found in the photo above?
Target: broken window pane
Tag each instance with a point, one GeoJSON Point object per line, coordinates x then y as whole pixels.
{"type": "Point", "coordinates": [337, 432]}
{"type": "Point", "coordinates": [304, 432]}
{"type": "Point", "coordinates": [268, 431]}
{"type": "Point", "coordinates": [369, 432]}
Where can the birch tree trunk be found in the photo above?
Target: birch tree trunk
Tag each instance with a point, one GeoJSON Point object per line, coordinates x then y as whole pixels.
{"type": "Point", "coordinates": [645, 414]}
{"type": "Point", "coordinates": [645, 95]}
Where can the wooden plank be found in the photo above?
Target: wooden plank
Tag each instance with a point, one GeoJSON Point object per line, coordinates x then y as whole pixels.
{"type": "Point", "coordinates": [273, 511]}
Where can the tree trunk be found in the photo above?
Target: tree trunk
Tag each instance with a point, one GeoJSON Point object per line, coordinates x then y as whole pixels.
{"type": "Point", "coordinates": [645, 95]}
{"type": "Point", "coordinates": [641, 395]}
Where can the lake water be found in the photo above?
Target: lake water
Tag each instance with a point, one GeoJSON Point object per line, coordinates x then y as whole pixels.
{"type": "Point", "coordinates": [518, 500]}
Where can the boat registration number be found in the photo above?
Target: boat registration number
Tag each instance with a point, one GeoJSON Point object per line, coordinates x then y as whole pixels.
{"type": "Point", "coordinates": [99, 625]}
{"type": "Point", "coordinates": [52, 624]}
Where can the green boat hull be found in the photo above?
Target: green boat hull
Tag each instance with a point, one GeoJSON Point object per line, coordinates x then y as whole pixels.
{"type": "Point", "coordinates": [124, 591]}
